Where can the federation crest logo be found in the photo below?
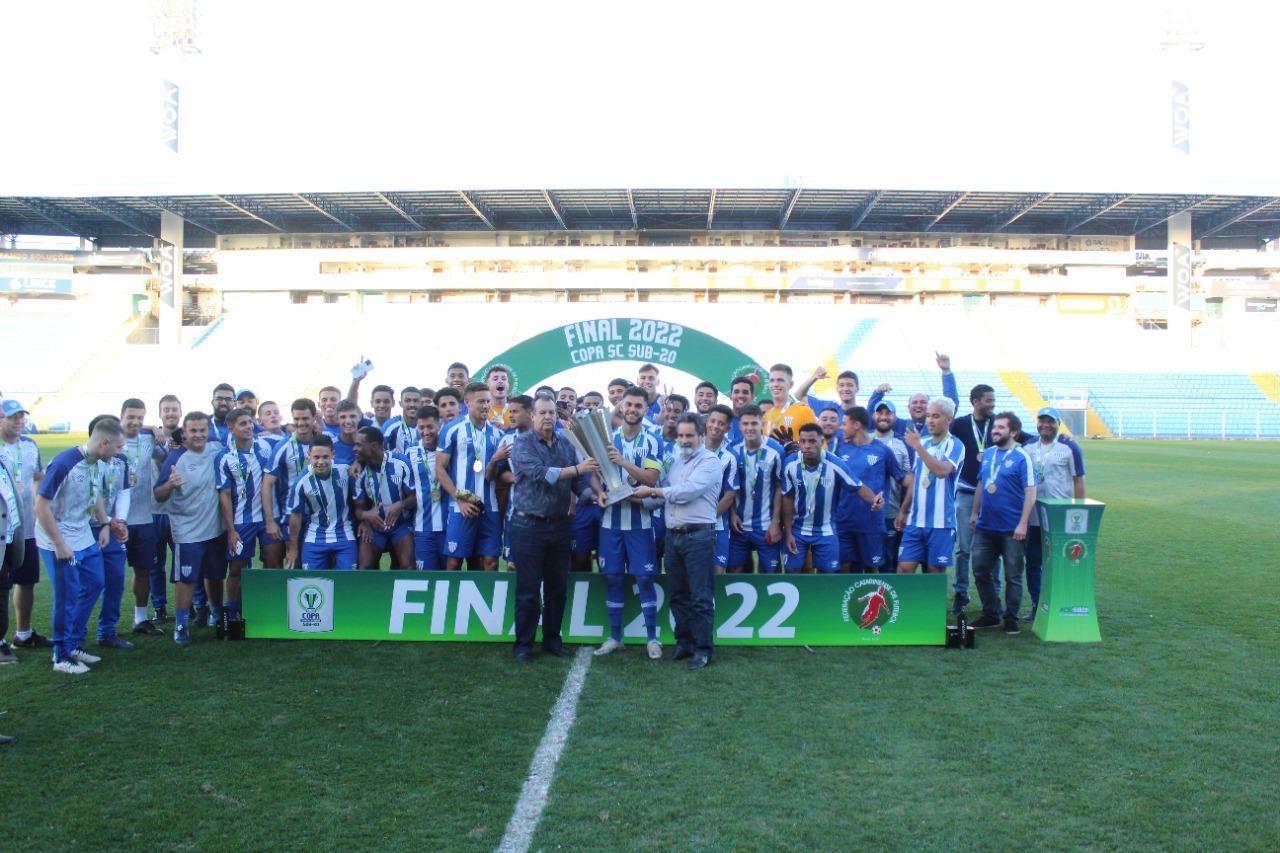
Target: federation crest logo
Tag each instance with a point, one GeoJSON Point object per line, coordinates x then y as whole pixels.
{"type": "Point", "coordinates": [1074, 550]}
{"type": "Point", "coordinates": [872, 605]}
{"type": "Point", "coordinates": [310, 605]}
{"type": "Point", "coordinates": [1077, 521]}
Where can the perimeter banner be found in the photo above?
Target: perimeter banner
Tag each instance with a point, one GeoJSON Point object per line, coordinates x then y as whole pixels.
{"type": "Point", "coordinates": [751, 610]}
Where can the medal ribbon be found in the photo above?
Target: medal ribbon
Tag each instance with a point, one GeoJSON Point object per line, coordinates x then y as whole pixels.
{"type": "Point", "coordinates": [994, 467]}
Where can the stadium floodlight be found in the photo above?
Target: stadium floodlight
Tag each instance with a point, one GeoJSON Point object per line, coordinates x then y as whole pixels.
{"type": "Point", "coordinates": [173, 26]}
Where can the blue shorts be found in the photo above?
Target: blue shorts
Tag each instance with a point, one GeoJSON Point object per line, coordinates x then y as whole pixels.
{"type": "Point", "coordinates": [473, 537]}
{"type": "Point", "coordinates": [329, 555]}
{"type": "Point", "coordinates": [863, 550]}
{"type": "Point", "coordinates": [428, 550]}
{"type": "Point", "coordinates": [141, 547]}
{"type": "Point", "coordinates": [586, 527]}
{"type": "Point", "coordinates": [252, 534]}
{"type": "Point", "coordinates": [742, 544]}
{"type": "Point", "coordinates": [722, 546]}
{"type": "Point", "coordinates": [632, 551]}
{"type": "Point", "coordinates": [932, 546]}
{"type": "Point", "coordinates": [200, 561]}
{"type": "Point", "coordinates": [826, 553]}
{"type": "Point", "coordinates": [29, 572]}
{"type": "Point", "coordinates": [383, 540]}
{"type": "Point", "coordinates": [268, 539]}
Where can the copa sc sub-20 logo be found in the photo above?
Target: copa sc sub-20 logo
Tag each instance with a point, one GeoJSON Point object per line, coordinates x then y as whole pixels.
{"type": "Point", "coordinates": [310, 605]}
{"type": "Point", "coordinates": [871, 604]}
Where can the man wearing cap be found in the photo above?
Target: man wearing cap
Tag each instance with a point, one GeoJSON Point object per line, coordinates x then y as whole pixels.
{"type": "Point", "coordinates": [246, 399]}
{"type": "Point", "coordinates": [24, 461]}
{"type": "Point", "coordinates": [1059, 467]}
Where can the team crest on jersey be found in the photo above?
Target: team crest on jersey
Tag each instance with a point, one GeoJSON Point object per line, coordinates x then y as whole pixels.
{"type": "Point", "coordinates": [873, 459]}
{"type": "Point", "coordinates": [1008, 463]}
{"type": "Point", "coordinates": [871, 604]}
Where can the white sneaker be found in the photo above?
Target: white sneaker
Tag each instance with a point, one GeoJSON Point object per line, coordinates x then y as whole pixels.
{"type": "Point", "coordinates": [655, 650]}
{"type": "Point", "coordinates": [70, 667]}
{"type": "Point", "coordinates": [608, 647]}
{"type": "Point", "coordinates": [82, 656]}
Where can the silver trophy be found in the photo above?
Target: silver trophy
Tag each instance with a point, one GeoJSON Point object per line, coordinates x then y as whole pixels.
{"type": "Point", "coordinates": [591, 434]}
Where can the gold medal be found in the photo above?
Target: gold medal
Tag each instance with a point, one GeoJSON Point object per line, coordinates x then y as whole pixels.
{"type": "Point", "coordinates": [133, 479]}
{"type": "Point", "coordinates": [926, 480]}
{"type": "Point", "coordinates": [477, 466]}
{"type": "Point", "coordinates": [991, 488]}
{"type": "Point", "coordinates": [435, 494]}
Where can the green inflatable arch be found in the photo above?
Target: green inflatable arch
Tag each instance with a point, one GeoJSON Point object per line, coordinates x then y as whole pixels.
{"type": "Point", "coordinates": [663, 343]}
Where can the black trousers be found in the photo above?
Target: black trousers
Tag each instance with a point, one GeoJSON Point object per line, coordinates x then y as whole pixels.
{"type": "Point", "coordinates": [542, 553]}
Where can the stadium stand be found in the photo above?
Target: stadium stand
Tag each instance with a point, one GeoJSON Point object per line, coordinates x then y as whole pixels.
{"type": "Point", "coordinates": [1028, 357]}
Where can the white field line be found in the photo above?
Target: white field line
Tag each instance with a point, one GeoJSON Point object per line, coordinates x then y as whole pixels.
{"type": "Point", "coordinates": [533, 798]}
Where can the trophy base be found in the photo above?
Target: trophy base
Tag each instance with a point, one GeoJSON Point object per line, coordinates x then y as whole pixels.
{"type": "Point", "coordinates": [619, 494]}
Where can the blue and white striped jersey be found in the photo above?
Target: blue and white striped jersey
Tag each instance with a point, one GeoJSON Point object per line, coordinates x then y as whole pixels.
{"type": "Point", "coordinates": [933, 501]}
{"type": "Point", "coordinates": [466, 444]}
{"type": "Point", "coordinates": [387, 485]}
{"type": "Point", "coordinates": [288, 463]}
{"type": "Point", "coordinates": [760, 476]}
{"type": "Point", "coordinates": [729, 460]}
{"type": "Point", "coordinates": [239, 472]}
{"type": "Point", "coordinates": [815, 492]}
{"type": "Point", "coordinates": [643, 451]}
{"type": "Point", "coordinates": [324, 504]}
{"type": "Point", "coordinates": [433, 503]}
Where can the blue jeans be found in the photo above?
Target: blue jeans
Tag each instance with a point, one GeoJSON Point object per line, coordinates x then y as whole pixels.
{"type": "Point", "coordinates": [1035, 563]}
{"type": "Point", "coordinates": [542, 552]}
{"type": "Point", "coordinates": [690, 582]}
{"type": "Point", "coordinates": [989, 546]}
{"type": "Point", "coordinates": [159, 570]}
{"type": "Point", "coordinates": [964, 543]}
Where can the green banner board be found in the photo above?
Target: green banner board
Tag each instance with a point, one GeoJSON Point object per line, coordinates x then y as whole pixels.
{"type": "Point", "coordinates": [1069, 542]}
{"type": "Point", "coordinates": [626, 339]}
{"type": "Point", "coordinates": [751, 610]}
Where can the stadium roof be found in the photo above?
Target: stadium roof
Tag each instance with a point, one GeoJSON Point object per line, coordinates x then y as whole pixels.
{"type": "Point", "coordinates": [135, 220]}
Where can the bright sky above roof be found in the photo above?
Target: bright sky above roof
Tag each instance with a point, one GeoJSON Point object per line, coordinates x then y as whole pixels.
{"type": "Point", "coordinates": [307, 96]}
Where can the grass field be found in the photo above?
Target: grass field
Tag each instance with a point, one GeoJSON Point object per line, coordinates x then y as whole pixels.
{"type": "Point", "coordinates": [1162, 737]}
